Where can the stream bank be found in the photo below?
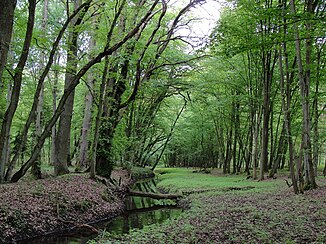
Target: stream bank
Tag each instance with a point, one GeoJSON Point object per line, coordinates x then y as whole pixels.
{"type": "Point", "coordinates": [138, 213]}
{"type": "Point", "coordinates": [37, 208]}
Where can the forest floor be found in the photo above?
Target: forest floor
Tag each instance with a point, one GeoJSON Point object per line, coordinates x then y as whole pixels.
{"type": "Point", "coordinates": [233, 209]}
{"type": "Point", "coordinates": [33, 208]}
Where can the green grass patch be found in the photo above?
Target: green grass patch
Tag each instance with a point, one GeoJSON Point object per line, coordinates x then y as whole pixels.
{"type": "Point", "coordinates": [183, 180]}
{"type": "Point", "coordinates": [268, 213]}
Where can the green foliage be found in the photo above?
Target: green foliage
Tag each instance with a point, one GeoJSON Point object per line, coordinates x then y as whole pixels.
{"type": "Point", "coordinates": [183, 179]}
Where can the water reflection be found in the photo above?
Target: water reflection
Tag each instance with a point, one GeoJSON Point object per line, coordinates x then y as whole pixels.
{"type": "Point", "coordinates": [140, 212]}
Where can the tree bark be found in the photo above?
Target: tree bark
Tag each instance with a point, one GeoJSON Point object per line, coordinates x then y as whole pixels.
{"type": "Point", "coordinates": [54, 108]}
{"type": "Point", "coordinates": [84, 159]}
{"type": "Point", "coordinates": [304, 78]}
{"type": "Point", "coordinates": [18, 74]}
{"type": "Point", "coordinates": [36, 168]}
{"type": "Point", "coordinates": [286, 99]}
{"type": "Point", "coordinates": [6, 25]}
{"type": "Point", "coordinates": [62, 140]}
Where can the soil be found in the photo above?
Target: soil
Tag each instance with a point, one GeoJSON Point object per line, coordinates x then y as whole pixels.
{"type": "Point", "coordinates": [29, 209]}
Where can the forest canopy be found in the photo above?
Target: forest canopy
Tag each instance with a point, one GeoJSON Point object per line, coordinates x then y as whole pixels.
{"type": "Point", "coordinates": [91, 85]}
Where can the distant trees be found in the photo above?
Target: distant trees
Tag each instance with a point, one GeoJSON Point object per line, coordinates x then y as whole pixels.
{"type": "Point", "coordinates": [258, 76]}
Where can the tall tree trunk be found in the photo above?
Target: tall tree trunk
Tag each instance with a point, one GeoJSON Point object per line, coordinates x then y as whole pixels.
{"type": "Point", "coordinates": [83, 152]}
{"type": "Point", "coordinates": [304, 77]}
{"type": "Point", "coordinates": [36, 168]}
{"type": "Point", "coordinates": [62, 141]}
{"type": "Point", "coordinates": [316, 114]}
{"type": "Point", "coordinates": [6, 25]}
{"type": "Point", "coordinates": [18, 75]}
{"type": "Point", "coordinates": [286, 99]}
{"type": "Point", "coordinates": [267, 82]}
{"type": "Point", "coordinates": [256, 132]}
{"type": "Point", "coordinates": [54, 108]}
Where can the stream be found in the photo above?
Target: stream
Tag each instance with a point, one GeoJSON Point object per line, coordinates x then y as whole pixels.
{"type": "Point", "coordinates": [140, 212]}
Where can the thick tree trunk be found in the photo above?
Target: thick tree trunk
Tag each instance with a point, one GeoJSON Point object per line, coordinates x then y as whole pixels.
{"type": "Point", "coordinates": [18, 73]}
{"type": "Point", "coordinates": [86, 127]}
{"type": "Point", "coordinates": [62, 140]}
{"type": "Point", "coordinates": [6, 25]}
{"type": "Point", "coordinates": [266, 113]}
{"type": "Point", "coordinates": [83, 152]}
{"type": "Point", "coordinates": [304, 77]}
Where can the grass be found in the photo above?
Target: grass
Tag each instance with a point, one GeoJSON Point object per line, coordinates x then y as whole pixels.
{"type": "Point", "coordinates": [182, 179]}
{"type": "Point", "coordinates": [269, 213]}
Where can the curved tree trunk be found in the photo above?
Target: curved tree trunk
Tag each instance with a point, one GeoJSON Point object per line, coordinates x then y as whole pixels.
{"type": "Point", "coordinates": [18, 74]}
{"type": "Point", "coordinates": [6, 25]}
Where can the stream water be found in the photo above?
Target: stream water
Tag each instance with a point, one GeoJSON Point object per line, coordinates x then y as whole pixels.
{"type": "Point", "coordinates": [140, 212]}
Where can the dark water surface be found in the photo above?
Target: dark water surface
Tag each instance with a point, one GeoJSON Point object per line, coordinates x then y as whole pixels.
{"type": "Point", "coordinates": [140, 212]}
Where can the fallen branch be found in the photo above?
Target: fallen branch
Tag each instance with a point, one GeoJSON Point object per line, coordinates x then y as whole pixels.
{"type": "Point", "coordinates": [80, 226]}
{"type": "Point", "coordinates": [154, 195]}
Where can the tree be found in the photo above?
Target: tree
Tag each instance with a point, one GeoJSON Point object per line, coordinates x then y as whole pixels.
{"type": "Point", "coordinates": [17, 78]}
{"type": "Point", "coordinates": [108, 50]}
{"type": "Point", "coordinates": [62, 140]}
{"type": "Point", "coordinates": [6, 25]}
{"type": "Point", "coordinates": [304, 76]}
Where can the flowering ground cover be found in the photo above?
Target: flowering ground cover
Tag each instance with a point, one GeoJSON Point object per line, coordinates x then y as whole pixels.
{"type": "Point", "coordinates": [234, 209]}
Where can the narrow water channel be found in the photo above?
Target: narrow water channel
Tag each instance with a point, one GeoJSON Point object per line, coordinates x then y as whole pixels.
{"type": "Point", "coordinates": [140, 212]}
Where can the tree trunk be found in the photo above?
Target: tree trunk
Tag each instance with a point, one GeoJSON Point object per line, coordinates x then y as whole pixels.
{"type": "Point", "coordinates": [62, 142]}
{"type": "Point", "coordinates": [304, 77]}
{"type": "Point", "coordinates": [18, 73]}
{"type": "Point", "coordinates": [169, 135]}
{"type": "Point", "coordinates": [254, 155]}
{"type": "Point", "coordinates": [281, 150]}
{"type": "Point", "coordinates": [36, 168]}
{"type": "Point", "coordinates": [316, 145]}
{"type": "Point", "coordinates": [286, 100]}
{"type": "Point", "coordinates": [6, 25]}
{"type": "Point", "coordinates": [83, 154]}
{"type": "Point", "coordinates": [267, 80]}
{"type": "Point", "coordinates": [54, 108]}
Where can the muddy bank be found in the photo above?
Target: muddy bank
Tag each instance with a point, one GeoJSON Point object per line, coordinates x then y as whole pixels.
{"type": "Point", "coordinates": [30, 209]}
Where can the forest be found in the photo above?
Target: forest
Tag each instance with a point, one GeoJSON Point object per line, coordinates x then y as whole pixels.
{"type": "Point", "coordinates": [97, 95]}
